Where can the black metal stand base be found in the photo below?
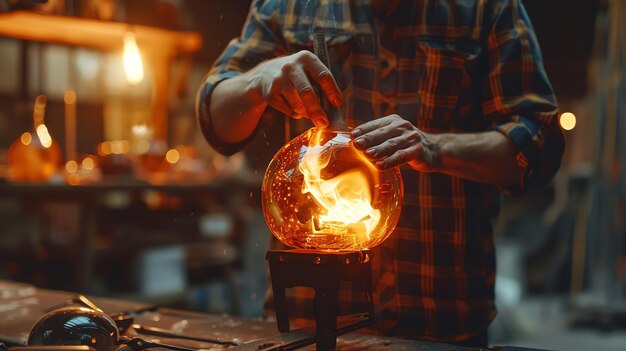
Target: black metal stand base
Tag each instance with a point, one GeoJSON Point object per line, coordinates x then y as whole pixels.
{"type": "Point", "coordinates": [322, 271]}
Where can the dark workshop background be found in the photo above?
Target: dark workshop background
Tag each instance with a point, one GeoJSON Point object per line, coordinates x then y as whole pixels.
{"type": "Point", "coordinates": [561, 249]}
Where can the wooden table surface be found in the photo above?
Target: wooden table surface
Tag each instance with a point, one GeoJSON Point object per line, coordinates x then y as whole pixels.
{"type": "Point", "coordinates": [21, 305]}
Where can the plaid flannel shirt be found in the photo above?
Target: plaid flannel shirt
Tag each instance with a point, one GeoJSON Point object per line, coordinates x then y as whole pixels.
{"type": "Point", "coordinates": [448, 67]}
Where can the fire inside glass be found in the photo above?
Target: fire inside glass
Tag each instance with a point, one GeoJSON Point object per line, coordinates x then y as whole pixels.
{"type": "Point", "coordinates": [321, 193]}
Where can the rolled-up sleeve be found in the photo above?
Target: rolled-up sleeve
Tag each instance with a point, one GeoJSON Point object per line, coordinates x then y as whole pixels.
{"type": "Point", "coordinates": [259, 41]}
{"type": "Point", "coordinates": [518, 98]}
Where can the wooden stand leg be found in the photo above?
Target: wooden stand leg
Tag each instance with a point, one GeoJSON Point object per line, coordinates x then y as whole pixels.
{"type": "Point", "coordinates": [280, 305]}
{"type": "Point", "coordinates": [326, 318]}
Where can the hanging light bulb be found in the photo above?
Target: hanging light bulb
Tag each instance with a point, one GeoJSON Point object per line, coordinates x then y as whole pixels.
{"type": "Point", "coordinates": [132, 59]}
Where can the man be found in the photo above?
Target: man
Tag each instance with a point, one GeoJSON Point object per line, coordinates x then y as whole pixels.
{"type": "Point", "coordinates": [456, 90]}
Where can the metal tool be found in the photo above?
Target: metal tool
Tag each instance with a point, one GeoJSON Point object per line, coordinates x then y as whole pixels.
{"type": "Point", "coordinates": [334, 114]}
{"type": "Point", "coordinates": [153, 331]}
{"type": "Point", "coordinates": [137, 344]}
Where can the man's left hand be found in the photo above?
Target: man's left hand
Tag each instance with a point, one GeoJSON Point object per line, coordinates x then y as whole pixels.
{"type": "Point", "coordinates": [393, 141]}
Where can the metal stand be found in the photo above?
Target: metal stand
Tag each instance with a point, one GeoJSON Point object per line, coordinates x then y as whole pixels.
{"type": "Point", "coordinates": [322, 271]}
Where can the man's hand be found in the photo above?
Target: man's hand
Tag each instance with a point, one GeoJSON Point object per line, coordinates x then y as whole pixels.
{"type": "Point", "coordinates": [284, 83]}
{"type": "Point", "coordinates": [393, 141]}
{"type": "Point", "coordinates": [487, 157]}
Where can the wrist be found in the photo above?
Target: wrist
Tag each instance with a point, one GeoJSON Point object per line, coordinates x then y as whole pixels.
{"type": "Point", "coordinates": [431, 155]}
{"type": "Point", "coordinates": [435, 146]}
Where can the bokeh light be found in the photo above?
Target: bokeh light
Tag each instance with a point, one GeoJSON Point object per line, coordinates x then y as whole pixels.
{"type": "Point", "coordinates": [567, 120]}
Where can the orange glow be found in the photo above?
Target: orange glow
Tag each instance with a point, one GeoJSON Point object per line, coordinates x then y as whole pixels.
{"type": "Point", "coordinates": [119, 147]}
{"type": "Point", "coordinates": [26, 138]}
{"type": "Point", "coordinates": [88, 163]}
{"type": "Point", "coordinates": [567, 120]}
{"type": "Point", "coordinates": [34, 157]}
{"type": "Point", "coordinates": [40, 110]}
{"type": "Point", "coordinates": [69, 97]}
{"type": "Point", "coordinates": [73, 179]}
{"type": "Point", "coordinates": [132, 59]}
{"type": "Point", "coordinates": [321, 193]}
{"type": "Point", "coordinates": [71, 166]}
{"type": "Point", "coordinates": [142, 147]}
{"type": "Point", "coordinates": [172, 156]}
{"type": "Point", "coordinates": [104, 148]}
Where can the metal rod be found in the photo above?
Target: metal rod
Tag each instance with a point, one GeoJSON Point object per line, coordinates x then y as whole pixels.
{"type": "Point", "coordinates": [335, 117]}
{"type": "Point", "coordinates": [145, 330]}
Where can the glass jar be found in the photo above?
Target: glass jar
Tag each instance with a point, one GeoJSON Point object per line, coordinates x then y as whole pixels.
{"type": "Point", "coordinates": [319, 192]}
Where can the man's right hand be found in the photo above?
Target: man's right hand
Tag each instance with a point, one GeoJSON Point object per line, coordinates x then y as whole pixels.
{"type": "Point", "coordinates": [285, 83]}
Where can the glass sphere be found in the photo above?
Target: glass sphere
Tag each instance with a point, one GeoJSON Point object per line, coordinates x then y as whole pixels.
{"type": "Point", "coordinates": [73, 325]}
{"type": "Point", "coordinates": [319, 192]}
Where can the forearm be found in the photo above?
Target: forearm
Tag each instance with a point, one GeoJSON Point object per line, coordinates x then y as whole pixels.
{"type": "Point", "coordinates": [235, 108]}
{"type": "Point", "coordinates": [486, 157]}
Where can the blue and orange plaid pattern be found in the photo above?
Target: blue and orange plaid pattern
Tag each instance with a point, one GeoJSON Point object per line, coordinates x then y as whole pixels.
{"type": "Point", "coordinates": [448, 66]}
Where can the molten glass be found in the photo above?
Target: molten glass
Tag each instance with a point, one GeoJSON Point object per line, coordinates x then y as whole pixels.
{"type": "Point", "coordinates": [319, 192]}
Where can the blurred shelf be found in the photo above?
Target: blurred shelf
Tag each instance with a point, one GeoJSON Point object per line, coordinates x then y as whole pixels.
{"type": "Point", "coordinates": [12, 189]}
{"type": "Point", "coordinates": [138, 226]}
{"type": "Point", "coordinates": [159, 46]}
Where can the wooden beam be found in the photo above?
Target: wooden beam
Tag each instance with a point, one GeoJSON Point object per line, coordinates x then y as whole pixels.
{"type": "Point", "coordinates": [96, 34]}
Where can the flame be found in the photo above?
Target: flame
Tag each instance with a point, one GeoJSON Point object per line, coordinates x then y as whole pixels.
{"type": "Point", "coordinates": [132, 59]}
{"type": "Point", "coordinates": [346, 198]}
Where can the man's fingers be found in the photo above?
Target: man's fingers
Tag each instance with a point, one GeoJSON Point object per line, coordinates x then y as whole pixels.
{"type": "Point", "coordinates": [323, 77]}
{"type": "Point", "coordinates": [283, 106]}
{"type": "Point", "coordinates": [398, 158]}
{"type": "Point", "coordinates": [329, 87]}
{"type": "Point", "coordinates": [387, 147]}
{"type": "Point", "coordinates": [292, 98]}
{"type": "Point", "coordinates": [309, 98]}
{"type": "Point", "coordinates": [371, 126]}
{"type": "Point", "coordinates": [380, 135]}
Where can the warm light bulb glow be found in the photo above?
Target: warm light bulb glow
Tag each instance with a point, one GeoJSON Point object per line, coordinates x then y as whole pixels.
{"type": "Point", "coordinates": [73, 179]}
{"type": "Point", "coordinates": [172, 156]}
{"type": "Point", "coordinates": [26, 138]}
{"type": "Point", "coordinates": [119, 147]}
{"type": "Point", "coordinates": [139, 130]}
{"type": "Point", "coordinates": [71, 166]}
{"type": "Point", "coordinates": [132, 59]}
{"type": "Point", "coordinates": [142, 147]}
{"type": "Point", "coordinates": [88, 163]}
{"type": "Point", "coordinates": [44, 136]}
{"type": "Point", "coordinates": [40, 110]}
{"type": "Point", "coordinates": [104, 148]}
{"type": "Point", "coordinates": [69, 97]}
{"type": "Point", "coordinates": [567, 120]}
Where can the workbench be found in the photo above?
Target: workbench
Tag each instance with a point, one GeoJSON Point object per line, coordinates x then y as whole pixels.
{"type": "Point", "coordinates": [21, 305]}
